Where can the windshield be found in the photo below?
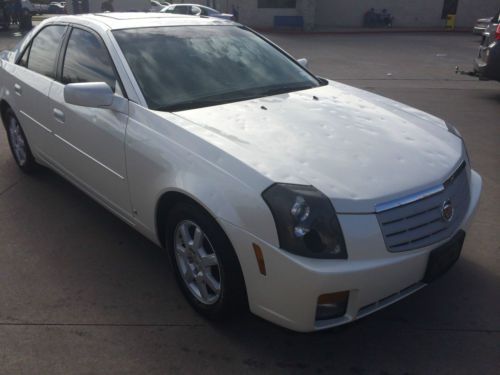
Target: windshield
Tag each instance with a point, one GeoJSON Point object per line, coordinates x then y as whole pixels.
{"type": "Point", "coordinates": [189, 67]}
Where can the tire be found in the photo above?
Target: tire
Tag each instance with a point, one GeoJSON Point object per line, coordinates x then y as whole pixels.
{"type": "Point", "coordinates": [18, 143]}
{"type": "Point", "coordinates": [190, 264]}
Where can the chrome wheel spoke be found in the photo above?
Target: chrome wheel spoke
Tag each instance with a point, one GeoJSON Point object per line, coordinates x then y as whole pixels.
{"type": "Point", "coordinates": [202, 286]}
{"type": "Point", "coordinates": [186, 238]}
{"type": "Point", "coordinates": [198, 239]}
{"type": "Point", "coordinates": [209, 260]}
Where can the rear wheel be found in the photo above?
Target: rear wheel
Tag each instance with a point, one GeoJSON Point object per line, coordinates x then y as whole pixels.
{"type": "Point", "coordinates": [205, 264]}
{"type": "Point", "coordinates": [18, 143]}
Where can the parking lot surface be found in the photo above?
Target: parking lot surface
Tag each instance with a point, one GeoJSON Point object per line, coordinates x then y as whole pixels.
{"type": "Point", "coordinates": [82, 293]}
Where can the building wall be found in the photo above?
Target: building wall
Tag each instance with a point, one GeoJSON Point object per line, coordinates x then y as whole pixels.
{"type": "Point", "coordinates": [324, 14]}
{"type": "Point", "coordinates": [470, 10]}
{"type": "Point", "coordinates": [407, 13]}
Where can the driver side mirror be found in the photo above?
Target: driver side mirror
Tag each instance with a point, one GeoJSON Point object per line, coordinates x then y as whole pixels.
{"type": "Point", "coordinates": [303, 62]}
{"type": "Point", "coordinates": [89, 94]}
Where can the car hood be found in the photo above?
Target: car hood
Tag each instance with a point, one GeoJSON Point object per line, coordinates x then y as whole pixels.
{"type": "Point", "coordinates": [358, 148]}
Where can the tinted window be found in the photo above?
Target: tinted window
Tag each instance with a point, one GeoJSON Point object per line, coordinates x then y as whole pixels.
{"type": "Point", "coordinates": [44, 49]}
{"type": "Point", "coordinates": [87, 60]}
{"type": "Point", "coordinates": [194, 66]}
{"type": "Point", "coordinates": [181, 10]}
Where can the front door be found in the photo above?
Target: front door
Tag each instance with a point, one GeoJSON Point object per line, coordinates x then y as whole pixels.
{"type": "Point", "coordinates": [90, 141]}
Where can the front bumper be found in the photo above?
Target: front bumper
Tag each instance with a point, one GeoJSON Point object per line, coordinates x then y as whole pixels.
{"type": "Point", "coordinates": [287, 295]}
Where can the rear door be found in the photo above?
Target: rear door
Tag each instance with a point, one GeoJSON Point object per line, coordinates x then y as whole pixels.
{"type": "Point", "coordinates": [33, 77]}
{"type": "Point", "coordinates": [91, 141]}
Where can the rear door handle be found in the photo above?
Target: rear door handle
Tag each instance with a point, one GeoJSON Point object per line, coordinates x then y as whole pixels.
{"type": "Point", "coordinates": [59, 115]}
{"type": "Point", "coordinates": [18, 89]}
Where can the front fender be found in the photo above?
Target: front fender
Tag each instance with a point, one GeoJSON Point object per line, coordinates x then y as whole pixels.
{"type": "Point", "coordinates": [163, 157]}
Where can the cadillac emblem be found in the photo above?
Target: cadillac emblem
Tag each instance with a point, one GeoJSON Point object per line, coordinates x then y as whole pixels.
{"type": "Point", "coordinates": [447, 211]}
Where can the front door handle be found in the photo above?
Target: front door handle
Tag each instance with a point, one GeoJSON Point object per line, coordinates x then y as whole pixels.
{"type": "Point", "coordinates": [59, 115]}
{"type": "Point", "coordinates": [18, 89]}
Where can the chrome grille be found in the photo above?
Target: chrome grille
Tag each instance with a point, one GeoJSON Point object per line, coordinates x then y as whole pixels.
{"type": "Point", "coordinates": [408, 224]}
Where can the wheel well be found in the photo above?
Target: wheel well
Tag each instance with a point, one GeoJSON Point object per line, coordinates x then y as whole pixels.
{"type": "Point", "coordinates": [165, 204]}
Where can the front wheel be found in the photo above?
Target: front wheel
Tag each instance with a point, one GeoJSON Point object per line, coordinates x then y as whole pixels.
{"type": "Point", "coordinates": [18, 143]}
{"type": "Point", "coordinates": [205, 264]}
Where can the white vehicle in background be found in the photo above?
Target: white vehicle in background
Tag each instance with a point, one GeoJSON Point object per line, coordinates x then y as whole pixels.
{"type": "Point", "coordinates": [312, 202]}
{"type": "Point", "coordinates": [95, 6]}
{"type": "Point", "coordinates": [157, 6]}
{"type": "Point", "coordinates": [197, 10]}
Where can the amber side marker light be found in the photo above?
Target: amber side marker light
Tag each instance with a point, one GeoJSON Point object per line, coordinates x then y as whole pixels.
{"type": "Point", "coordinates": [332, 305]}
{"type": "Point", "coordinates": [260, 258]}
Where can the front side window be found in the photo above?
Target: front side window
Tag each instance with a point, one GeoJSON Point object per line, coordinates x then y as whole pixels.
{"type": "Point", "coordinates": [44, 48]}
{"type": "Point", "coordinates": [198, 66]}
{"type": "Point", "coordinates": [87, 60]}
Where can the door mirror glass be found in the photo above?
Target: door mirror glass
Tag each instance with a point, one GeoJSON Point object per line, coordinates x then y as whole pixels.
{"type": "Point", "coordinates": [303, 62]}
{"type": "Point", "coordinates": [91, 94]}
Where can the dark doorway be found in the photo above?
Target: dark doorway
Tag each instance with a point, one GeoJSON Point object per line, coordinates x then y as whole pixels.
{"type": "Point", "coordinates": [449, 7]}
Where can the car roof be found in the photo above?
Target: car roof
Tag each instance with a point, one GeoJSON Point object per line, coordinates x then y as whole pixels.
{"type": "Point", "coordinates": [131, 20]}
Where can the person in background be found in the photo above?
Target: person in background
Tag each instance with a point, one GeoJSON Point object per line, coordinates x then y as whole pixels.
{"type": "Point", "coordinates": [386, 18]}
{"type": "Point", "coordinates": [17, 8]}
{"type": "Point", "coordinates": [8, 9]}
{"type": "Point", "coordinates": [107, 6]}
{"type": "Point", "coordinates": [236, 13]}
{"type": "Point", "coordinates": [370, 18]}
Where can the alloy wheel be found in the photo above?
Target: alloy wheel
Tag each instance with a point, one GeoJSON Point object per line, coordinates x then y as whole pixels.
{"type": "Point", "coordinates": [197, 262]}
{"type": "Point", "coordinates": [18, 142]}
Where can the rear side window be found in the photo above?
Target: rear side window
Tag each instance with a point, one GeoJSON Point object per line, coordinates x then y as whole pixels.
{"type": "Point", "coordinates": [44, 48]}
{"type": "Point", "coordinates": [87, 60]}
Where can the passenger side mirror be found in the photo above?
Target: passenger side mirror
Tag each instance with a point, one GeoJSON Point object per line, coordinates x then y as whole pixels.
{"type": "Point", "coordinates": [303, 62]}
{"type": "Point", "coordinates": [91, 94]}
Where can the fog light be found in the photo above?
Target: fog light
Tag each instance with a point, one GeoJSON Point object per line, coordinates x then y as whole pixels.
{"type": "Point", "coordinates": [332, 305]}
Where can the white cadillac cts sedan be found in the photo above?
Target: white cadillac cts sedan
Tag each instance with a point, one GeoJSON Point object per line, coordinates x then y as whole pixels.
{"type": "Point", "coordinates": [313, 202]}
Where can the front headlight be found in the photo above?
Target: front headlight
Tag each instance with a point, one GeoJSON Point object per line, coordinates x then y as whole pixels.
{"type": "Point", "coordinates": [453, 130]}
{"type": "Point", "coordinates": [306, 221]}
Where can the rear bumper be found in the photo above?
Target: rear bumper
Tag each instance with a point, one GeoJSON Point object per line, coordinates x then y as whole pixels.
{"type": "Point", "coordinates": [487, 64]}
{"type": "Point", "coordinates": [287, 295]}
{"type": "Point", "coordinates": [478, 30]}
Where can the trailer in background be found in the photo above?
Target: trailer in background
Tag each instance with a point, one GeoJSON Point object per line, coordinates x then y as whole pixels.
{"type": "Point", "coordinates": [94, 6]}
